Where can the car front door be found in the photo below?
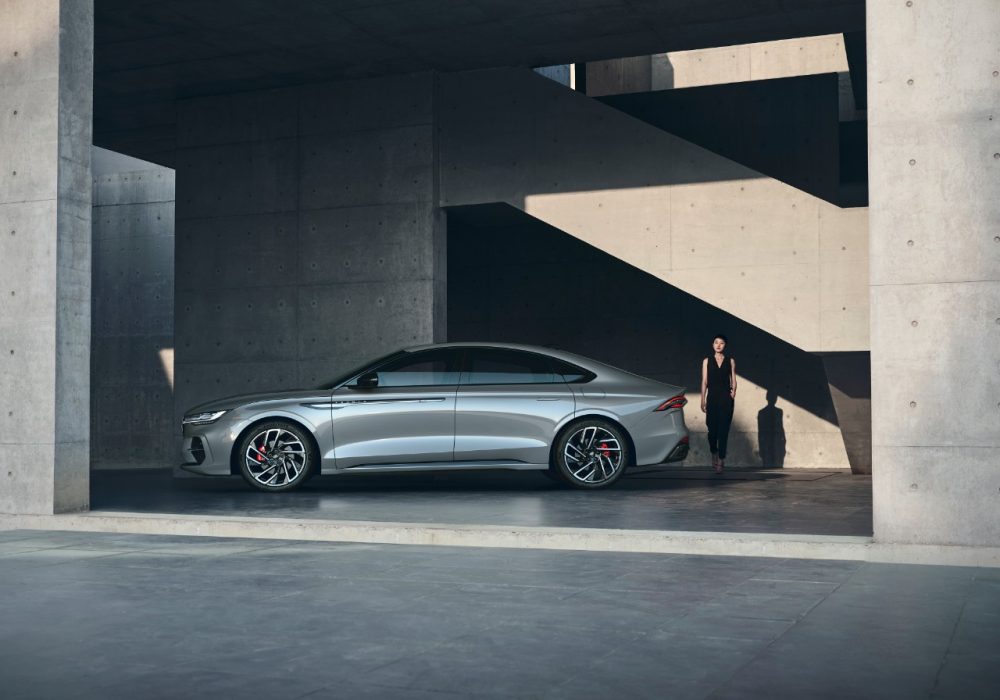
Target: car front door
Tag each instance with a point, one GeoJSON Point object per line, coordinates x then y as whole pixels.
{"type": "Point", "coordinates": [408, 417]}
{"type": "Point", "coordinates": [509, 404]}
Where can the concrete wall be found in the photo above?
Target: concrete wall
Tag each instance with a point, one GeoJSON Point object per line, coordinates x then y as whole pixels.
{"type": "Point", "coordinates": [46, 69]}
{"type": "Point", "coordinates": [725, 65]}
{"type": "Point", "coordinates": [516, 279]}
{"type": "Point", "coordinates": [307, 234]}
{"type": "Point", "coordinates": [619, 75]}
{"type": "Point", "coordinates": [308, 238]}
{"type": "Point", "coordinates": [767, 254]}
{"type": "Point", "coordinates": [760, 61]}
{"type": "Point", "coordinates": [934, 115]}
{"type": "Point", "coordinates": [132, 340]}
{"type": "Point", "coordinates": [778, 258]}
{"type": "Point", "coordinates": [787, 128]}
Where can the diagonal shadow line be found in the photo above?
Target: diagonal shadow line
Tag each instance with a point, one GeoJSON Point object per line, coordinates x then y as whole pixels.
{"type": "Point", "coordinates": [515, 278]}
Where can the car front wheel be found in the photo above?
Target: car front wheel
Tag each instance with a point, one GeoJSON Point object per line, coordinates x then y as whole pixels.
{"type": "Point", "coordinates": [276, 456]}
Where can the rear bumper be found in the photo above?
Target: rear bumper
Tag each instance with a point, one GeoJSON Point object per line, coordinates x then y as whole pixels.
{"type": "Point", "coordinates": [680, 452]}
{"type": "Point", "coordinates": [660, 437]}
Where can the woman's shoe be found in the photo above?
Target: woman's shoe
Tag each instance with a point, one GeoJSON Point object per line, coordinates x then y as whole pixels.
{"type": "Point", "coordinates": [720, 466]}
{"type": "Point", "coordinates": [716, 464]}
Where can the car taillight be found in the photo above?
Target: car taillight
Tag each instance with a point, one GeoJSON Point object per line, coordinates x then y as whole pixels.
{"type": "Point", "coordinates": [674, 402]}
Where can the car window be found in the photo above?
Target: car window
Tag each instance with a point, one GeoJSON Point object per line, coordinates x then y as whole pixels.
{"type": "Point", "coordinates": [496, 366]}
{"type": "Point", "coordinates": [340, 379]}
{"type": "Point", "coordinates": [571, 373]}
{"type": "Point", "coordinates": [428, 368]}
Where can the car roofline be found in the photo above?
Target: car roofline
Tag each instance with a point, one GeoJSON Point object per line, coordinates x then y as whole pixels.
{"type": "Point", "coordinates": [596, 366]}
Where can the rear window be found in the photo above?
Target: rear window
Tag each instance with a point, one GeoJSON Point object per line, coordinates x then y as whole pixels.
{"type": "Point", "coordinates": [498, 366]}
{"type": "Point", "coordinates": [570, 372]}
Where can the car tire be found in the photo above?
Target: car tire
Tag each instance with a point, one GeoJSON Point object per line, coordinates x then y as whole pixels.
{"type": "Point", "coordinates": [276, 456]}
{"type": "Point", "coordinates": [591, 454]}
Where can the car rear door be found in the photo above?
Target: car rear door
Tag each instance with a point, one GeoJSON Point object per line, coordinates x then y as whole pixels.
{"type": "Point", "coordinates": [508, 406]}
{"type": "Point", "coordinates": [409, 418]}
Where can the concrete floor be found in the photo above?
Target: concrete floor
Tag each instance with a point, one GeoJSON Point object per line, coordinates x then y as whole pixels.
{"type": "Point", "coordinates": [127, 616]}
{"type": "Point", "coordinates": [779, 501]}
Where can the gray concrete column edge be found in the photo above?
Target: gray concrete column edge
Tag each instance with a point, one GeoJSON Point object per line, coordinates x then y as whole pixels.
{"type": "Point", "coordinates": [493, 536]}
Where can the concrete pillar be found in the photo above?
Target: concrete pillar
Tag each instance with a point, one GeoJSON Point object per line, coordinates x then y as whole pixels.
{"type": "Point", "coordinates": [132, 341]}
{"type": "Point", "coordinates": [46, 96]}
{"type": "Point", "coordinates": [934, 146]}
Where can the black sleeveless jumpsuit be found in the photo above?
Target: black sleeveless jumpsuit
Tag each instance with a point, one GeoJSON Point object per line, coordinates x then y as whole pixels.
{"type": "Point", "coordinates": [719, 405]}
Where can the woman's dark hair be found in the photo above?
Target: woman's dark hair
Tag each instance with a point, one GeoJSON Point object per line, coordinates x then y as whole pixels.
{"type": "Point", "coordinates": [721, 337]}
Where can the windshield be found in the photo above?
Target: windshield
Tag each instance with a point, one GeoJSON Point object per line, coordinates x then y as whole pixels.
{"type": "Point", "coordinates": [341, 378]}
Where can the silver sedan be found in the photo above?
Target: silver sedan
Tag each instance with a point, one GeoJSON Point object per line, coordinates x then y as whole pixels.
{"type": "Point", "coordinates": [446, 407]}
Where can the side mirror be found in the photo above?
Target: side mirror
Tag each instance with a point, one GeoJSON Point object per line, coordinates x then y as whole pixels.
{"type": "Point", "coordinates": [369, 380]}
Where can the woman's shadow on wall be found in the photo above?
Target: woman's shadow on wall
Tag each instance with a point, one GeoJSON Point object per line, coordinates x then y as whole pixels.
{"type": "Point", "coordinates": [771, 433]}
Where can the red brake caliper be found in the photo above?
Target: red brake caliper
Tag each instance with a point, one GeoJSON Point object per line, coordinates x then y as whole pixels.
{"type": "Point", "coordinates": [261, 450]}
{"type": "Point", "coordinates": [605, 450]}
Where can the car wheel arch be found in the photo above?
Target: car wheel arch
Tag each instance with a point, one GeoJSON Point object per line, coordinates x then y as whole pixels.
{"type": "Point", "coordinates": [234, 467]}
{"type": "Point", "coordinates": [593, 416]}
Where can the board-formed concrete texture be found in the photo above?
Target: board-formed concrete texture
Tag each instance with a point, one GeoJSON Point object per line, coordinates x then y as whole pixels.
{"type": "Point", "coordinates": [46, 64]}
{"type": "Point", "coordinates": [935, 270]}
{"type": "Point", "coordinates": [132, 335]}
{"type": "Point", "coordinates": [307, 235]}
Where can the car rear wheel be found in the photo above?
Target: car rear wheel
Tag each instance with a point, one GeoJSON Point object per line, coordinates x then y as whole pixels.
{"type": "Point", "coordinates": [276, 456]}
{"type": "Point", "coordinates": [592, 454]}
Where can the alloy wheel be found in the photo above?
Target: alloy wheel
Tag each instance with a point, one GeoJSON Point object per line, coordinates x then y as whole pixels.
{"type": "Point", "coordinates": [593, 455]}
{"type": "Point", "coordinates": [275, 457]}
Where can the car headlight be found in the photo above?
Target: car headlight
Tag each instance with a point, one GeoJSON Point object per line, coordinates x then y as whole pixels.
{"type": "Point", "coordinates": [203, 418]}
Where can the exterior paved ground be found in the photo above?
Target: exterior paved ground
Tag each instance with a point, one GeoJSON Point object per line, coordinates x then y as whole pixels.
{"type": "Point", "coordinates": [780, 501]}
{"type": "Point", "coordinates": [130, 616]}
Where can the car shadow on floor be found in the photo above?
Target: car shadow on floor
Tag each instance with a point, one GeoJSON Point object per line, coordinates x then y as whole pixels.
{"type": "Point", "coordinates": [740, 500]}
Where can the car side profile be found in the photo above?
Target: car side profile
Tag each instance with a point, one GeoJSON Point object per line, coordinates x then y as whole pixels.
{"type": "Point", "coordinates": [451, 406]}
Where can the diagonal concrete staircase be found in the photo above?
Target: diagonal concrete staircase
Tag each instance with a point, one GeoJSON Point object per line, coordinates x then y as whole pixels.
{"type": "Point", "coordinates": [779, 258]}
{"type": "Point", "coordinates": [776, 257]}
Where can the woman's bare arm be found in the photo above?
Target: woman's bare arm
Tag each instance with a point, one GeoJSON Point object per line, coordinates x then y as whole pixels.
{"type": "Point", "coordinates": [704, 383]}
{"type": "Point", "coordinates": [732, 377]}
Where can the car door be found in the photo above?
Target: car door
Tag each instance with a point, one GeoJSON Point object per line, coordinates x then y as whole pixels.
{"type": "Point", "coordinates": [509, 404]}
{"type": "Point", "coordinates": [407, 418]}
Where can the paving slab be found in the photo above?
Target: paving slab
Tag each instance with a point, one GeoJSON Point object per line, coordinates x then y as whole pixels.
{"type": "Point", "coordinates": [216, 617]}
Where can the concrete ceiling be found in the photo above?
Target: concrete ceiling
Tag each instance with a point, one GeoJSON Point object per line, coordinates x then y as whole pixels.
{"type": "Point", "coordinates": [149, 53]}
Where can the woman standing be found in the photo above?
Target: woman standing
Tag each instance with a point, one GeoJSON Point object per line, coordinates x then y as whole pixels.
{"type": "Point", "coordinates": [718, 392]}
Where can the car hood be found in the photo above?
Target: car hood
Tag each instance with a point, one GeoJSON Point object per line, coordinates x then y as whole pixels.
{"type": "Point", "coordinates": [231, 402]}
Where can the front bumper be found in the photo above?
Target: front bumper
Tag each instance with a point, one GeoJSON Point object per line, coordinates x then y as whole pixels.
{"type": "Point", "coordinates": [206, 449]}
